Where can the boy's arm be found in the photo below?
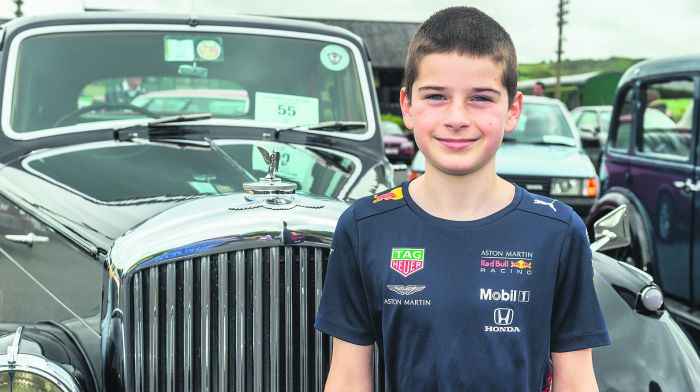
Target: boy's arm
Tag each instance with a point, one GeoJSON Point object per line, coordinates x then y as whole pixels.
{"type": "Point", "coordinates": [351, 368]}
{"type": "Point", "coordinates": [573, 371]}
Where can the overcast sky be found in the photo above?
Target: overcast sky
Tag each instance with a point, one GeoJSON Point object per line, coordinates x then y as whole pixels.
{"type": "Point", "coordinates": [596, 29]}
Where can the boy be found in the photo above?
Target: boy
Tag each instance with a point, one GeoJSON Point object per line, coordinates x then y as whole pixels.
{"type": "Point", "coordinates": [465, 281]}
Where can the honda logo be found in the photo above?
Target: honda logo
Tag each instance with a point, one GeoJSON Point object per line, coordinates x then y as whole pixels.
{"type": "Point", "coordinates": [503, 316]}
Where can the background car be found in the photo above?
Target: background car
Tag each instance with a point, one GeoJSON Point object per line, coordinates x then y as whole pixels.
{"type": "Point", "coordinates": [397, 146]}
{"type": "Point", "coordinates": [650, 165]}
{"type": "Point", "coordinates": [592, 123]}
{"type": "Point", "coordinates": [219, 102]}
{"type": "Point", "coordinates": [543, 155]}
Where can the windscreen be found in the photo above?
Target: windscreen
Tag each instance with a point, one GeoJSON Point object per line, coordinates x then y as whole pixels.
{"type": "Point", "coordinates": [92, 77]}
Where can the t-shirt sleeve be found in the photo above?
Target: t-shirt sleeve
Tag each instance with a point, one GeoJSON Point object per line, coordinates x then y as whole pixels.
{"type": "Point", "coordinates": [577, 320]}
{"type": "Point", "coordinates": [344, 311]}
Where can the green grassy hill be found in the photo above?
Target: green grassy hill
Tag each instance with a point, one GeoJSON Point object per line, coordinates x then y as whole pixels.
{"type": "Point", "coordinates": [571, 67]}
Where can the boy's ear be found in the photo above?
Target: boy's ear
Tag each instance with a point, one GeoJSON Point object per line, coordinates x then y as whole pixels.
{"type": "Point", "coordinates": [514, 111]}
{"type": "Point", "coordinates": [406, 108]}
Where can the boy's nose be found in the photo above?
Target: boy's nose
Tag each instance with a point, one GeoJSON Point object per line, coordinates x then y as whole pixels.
{"type": "Point", "coordinates": [457, 116]}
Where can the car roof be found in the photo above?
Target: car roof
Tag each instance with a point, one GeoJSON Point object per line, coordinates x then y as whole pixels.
{"type": "Point", "coordinates": [661, 66]}
{"type": "Point", "coordinates": [542, 100]}
{"type": "Point", "coordinates": [592, 107]}
{"type": "Point", "coordinates": [17, 25]}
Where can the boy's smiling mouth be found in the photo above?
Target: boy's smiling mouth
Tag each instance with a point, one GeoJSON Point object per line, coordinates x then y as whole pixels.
{"type": "Point", "coordinates": [457, 143]}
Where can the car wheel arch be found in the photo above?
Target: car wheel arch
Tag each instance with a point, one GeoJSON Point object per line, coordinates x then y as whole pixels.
{"type": "Point", "coordinates": [641, 226]}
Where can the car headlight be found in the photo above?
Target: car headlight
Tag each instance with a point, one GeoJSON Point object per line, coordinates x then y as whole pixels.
{"type": "Point", "coordinates": [587, 187]}
{"type": "Point", "coordinates": [652, 298]}
{"type": "Point", "coordinates": [27, 372]}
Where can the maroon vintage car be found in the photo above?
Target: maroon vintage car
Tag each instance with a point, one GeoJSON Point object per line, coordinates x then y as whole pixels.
{"type": "Point", "coordinates": [397, 147]}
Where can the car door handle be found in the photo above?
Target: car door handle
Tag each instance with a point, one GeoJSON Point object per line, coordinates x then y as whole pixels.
{"type": "Point", "coordinates": [688, 185]}
{"type": "Point", "coordinates": [27, 239]}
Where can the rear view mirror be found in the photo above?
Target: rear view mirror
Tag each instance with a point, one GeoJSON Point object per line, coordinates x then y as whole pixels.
{"type": "Point", "coordinates": [612, 231]}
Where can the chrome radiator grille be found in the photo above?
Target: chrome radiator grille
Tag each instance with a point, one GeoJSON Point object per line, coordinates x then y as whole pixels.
{"type": "Point", "coordinates": [238, 321]}
{"type": "Point", "coordinates": [538, 185]}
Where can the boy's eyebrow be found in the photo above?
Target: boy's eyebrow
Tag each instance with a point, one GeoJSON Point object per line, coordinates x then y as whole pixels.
{"type": "Point", "coordinates": [476, 89]}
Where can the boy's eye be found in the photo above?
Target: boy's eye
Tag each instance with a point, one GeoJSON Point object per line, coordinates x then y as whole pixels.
{"type": "Point", "coordinates": [482, 98]}
{"type": "Point", "coordinates": [436, 97]}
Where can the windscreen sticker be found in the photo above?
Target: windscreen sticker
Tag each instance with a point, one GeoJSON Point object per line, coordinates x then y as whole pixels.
{"type": "Point", "coordinates": [193, 48]}
{"type": "Point", "coordinates": [287, 109]}
{"type": "Point", "coordinates": [335, 57]}
{"type": "Point", "coordinates": [210, 50]}
{"type": "Point", "coordinates": [179, 49]}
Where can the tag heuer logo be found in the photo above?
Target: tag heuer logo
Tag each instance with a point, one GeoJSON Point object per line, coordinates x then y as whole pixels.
{"type": "Point", "coordinates": [407, 261]}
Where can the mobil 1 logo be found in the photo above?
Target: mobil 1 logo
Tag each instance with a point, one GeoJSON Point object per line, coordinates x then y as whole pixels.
{"type": "Point", "coordinates": [504, 295]}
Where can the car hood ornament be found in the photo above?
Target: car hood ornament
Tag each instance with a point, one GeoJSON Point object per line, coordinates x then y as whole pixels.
{"type": "Point", "coordinates": [270, 189]}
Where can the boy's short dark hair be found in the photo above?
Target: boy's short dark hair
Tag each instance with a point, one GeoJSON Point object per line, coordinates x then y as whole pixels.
{"type": "Point", "coordinates": [469, 32]}
{"type": "Point", "coordinates": [538, 83]}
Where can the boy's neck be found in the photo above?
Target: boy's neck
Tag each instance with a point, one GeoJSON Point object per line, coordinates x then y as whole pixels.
{"type": "Point", "coordinates": [461, 198]}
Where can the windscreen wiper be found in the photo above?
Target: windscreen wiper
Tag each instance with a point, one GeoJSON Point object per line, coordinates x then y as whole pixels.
{"type": "Point", "coordinates": [545, 143]}
{"type": "Point", "coordinates": [340, 126]}
{"type": "Point", "coordinates": [162, 128]}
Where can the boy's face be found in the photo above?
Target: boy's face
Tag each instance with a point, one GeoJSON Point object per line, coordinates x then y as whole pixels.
{"type": "Point", "coordinates": [459, 112]}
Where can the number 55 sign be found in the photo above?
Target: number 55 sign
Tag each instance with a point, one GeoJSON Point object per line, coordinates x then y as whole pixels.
{"type": "Point", "coordinates": [287, 109]}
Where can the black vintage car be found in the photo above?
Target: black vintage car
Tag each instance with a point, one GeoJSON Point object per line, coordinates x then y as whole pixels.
{"type": "Point", "coordinates": [169, 186]}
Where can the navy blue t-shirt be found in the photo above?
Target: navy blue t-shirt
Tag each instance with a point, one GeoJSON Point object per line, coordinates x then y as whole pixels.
{"type": "Point", "coordinates": [462, 305]}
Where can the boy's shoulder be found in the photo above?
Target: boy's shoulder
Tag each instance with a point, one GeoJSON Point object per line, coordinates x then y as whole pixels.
{"type": "Point", "coordinates": [379, 203]}
{"type": "Point", "coordinates": [545, 207]}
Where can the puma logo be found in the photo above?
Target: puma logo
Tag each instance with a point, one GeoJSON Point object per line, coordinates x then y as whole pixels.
{"type": "Point", "coordinates": [550, 204]}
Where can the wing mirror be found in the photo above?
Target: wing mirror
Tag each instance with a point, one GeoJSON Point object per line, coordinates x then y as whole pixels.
{"type": "Point", "coordinates": [612, 231]}
{"type": "Point", "coordinates": [589, 136]}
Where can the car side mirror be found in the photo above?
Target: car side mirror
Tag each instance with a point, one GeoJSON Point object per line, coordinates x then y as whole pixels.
{"type": "Point", "coordinates": [589, 137]}
{"type": "Point", "coordinates": [612, 231]}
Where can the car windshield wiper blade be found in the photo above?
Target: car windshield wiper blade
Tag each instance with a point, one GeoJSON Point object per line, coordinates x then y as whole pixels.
{"type": "Point", "coordinates": [162, 128]}
{"type": "Point", "coordinates": [180, 118]}
{"type": "Point", "coordinates": [340, 126]}
{"type": "Point", "coordinates": [552, 143]}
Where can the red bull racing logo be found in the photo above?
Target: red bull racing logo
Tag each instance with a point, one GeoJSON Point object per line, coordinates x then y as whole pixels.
{"type": "Point", "coordinates": [407, 261]}
{"type": "Point", "coordinates": [515, 266]}
{"type": "Point", "coordinates": [394, 194]}
{"type": "Point", "coordinates": [521, 264]}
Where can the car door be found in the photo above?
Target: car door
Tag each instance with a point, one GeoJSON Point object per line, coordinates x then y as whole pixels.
{"type": "Point", "coordinates": [660, 169]}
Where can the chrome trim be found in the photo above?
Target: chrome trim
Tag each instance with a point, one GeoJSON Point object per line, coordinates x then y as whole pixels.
{"type": "Point", "coordinates": [171, 312]}
{"type": "Point", "coordinates": [204, 320]}
{"type": "Point", "coordinates": [240, 321]}
{"type": "Point", "coordinates": [318, 336]}
{"type": "Point", "coordinates": [5, 116]}
{"type": "Point", "coordinates": [34, 364]}
{"type": "Point", "coordinates": [210, 222]}
{"type": "Point", "coordinates": [138, 334]}
{"type": "Point", "coordinates": [188, 323]}
{"type": "Point", "coordinates": [257, 320]}
{"type": "Point", "coordinates": [153, 329]}
{"type": "Point", "coordinates": [274, 317]}
{"type": "Point", "coordinates": [288, 317]}
{"type": "Point", "coordinates": [223, 323]}
{"type": "Point", "coordinates": [303, 301]}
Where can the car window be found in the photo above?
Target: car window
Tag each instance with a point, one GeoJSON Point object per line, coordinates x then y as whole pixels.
{"type": "Point", "coordinates": [622, 138]}
{"type": "Point", "coordinates": [590, 119]}
{"type": "Point", "coordinates": [390, 128]}
{"type": "Point", "coordinates": [542, 123]}
{"type": "Point", "coordinates": [138, 74]}
{"type": "Point", "coordinates": [664, 104]}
